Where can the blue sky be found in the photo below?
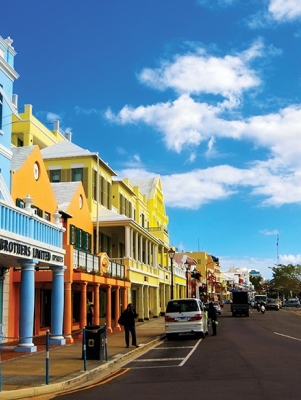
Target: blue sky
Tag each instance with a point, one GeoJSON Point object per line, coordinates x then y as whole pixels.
{"type": "Point", "coordinates": [204, 93]}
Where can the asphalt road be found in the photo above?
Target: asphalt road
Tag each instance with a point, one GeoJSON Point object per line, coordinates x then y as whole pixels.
{"type": "Point", "coordinates": [256, 357]}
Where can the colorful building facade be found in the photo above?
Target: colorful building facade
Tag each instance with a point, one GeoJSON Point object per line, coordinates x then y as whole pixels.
{"type": "Point", "coordinates": [27, 239]}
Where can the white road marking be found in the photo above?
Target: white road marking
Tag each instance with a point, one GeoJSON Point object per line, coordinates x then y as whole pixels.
{"type": "Point", "coordinates": [290, 337]}
{"type": "Point", "coordinates": [158, 359]}
{"type": "Point", "coordinates": [190, 353]}
{"type": "Point", "coordinates": [176, 347]}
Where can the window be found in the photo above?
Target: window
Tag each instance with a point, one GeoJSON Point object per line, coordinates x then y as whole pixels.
{"type": "Point", "coordinates": [47, 216]}
{"type": "Point", "coordinates": [20, 203]}
{"type": "Point", "coordinates": [77, 174]}
{"type": "Point", "coordinates": [94, 185]}
{"type": "Point", "coordinates": [37, 211]}
{"type": "Point", "coordinates": [55, 175]}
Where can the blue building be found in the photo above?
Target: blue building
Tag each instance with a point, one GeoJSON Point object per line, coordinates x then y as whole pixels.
{"type": "Point", "coordinates": [26, 239]}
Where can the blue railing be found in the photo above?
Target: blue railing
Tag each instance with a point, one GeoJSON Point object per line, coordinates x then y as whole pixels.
{"type": "Point", "coordinates": [18, 221]}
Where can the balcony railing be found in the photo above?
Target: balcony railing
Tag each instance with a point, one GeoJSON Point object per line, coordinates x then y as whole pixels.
{"type": "Point", "coordinates": [16, 220]}
{"type": "Point", "coordinates": [90, 263]}
{"type": "Point", "coordinates": [86, 261]}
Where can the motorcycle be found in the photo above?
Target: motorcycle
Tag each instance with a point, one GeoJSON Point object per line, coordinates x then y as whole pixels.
{"type": "Point", "coordinates": [262, 309]}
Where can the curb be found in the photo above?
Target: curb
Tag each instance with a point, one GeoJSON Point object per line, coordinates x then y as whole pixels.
{"type": "Point", "coordinates": [82, 379]}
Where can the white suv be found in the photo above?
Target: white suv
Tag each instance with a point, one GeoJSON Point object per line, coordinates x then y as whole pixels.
{"type": "Point", "coordinates": [185, 316]}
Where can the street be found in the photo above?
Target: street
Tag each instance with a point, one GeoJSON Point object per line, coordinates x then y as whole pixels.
{"type": "Point", "coordinates": [256, 357]}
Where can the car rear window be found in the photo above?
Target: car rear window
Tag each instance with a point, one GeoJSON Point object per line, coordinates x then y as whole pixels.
{"type": "Point", "coordinates": [181, 306]}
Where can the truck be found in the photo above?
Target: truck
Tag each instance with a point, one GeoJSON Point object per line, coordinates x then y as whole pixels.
{"type": "Point", "coordinates": [240, 303]}
{"type": "Point", "coordinates": [260, 298]}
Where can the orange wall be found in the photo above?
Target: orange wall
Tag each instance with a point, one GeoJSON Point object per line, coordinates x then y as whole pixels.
{"type": "Point", "coordinates": [24, 183]}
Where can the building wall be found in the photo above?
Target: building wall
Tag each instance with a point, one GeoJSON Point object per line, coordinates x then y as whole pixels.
{"type": "Point", "coordinates": [24, 183]}
{"type": "Point", "coordinates": [30, 131]}
{"type": "Point", "coordinates": [7, 77]}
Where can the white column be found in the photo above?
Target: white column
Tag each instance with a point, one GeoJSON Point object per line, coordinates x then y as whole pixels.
{"type": "Point", "coordinates": [127, 241]}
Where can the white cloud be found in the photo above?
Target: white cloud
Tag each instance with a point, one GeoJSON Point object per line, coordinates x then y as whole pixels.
{"type": "Point", "coordinates": [50, 116]}
{"type": "Point", "coordinates": [185, 123]}
{"type": "Point", "coordinates": [267, 232]}
{"type": "Point", "coordinates": [204, 73]}
{"type": "Point", "coordinates": [285, 10]}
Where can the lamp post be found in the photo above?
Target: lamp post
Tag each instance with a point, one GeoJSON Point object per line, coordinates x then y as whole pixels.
{"type": "Point", "coordinates": [171, 254]}
{"type": "Point", "coordinates": [187, 266]}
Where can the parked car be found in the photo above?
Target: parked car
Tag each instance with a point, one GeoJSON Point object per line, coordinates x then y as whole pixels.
{"type": "Point", "coordinates": [272, 304]}
{"type": "Point", "coordinates": [291, 303]}
{"type": "Point", "coordinates": [185, 316]}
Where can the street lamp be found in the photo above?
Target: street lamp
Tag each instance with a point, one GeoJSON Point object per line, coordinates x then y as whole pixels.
{"type": "Point", "coordinates": [171, 254]}
{"type": "Point", "coordinates": [187, 266]}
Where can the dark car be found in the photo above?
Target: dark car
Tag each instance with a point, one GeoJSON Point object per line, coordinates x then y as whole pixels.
{"type": "Point", "coordinates": [272, 304]}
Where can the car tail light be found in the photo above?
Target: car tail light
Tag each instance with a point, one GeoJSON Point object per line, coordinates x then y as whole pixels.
{"type": "Point", "coordinates": [196, 317]}
{"type": "Point", "coordinates": [169, 319]}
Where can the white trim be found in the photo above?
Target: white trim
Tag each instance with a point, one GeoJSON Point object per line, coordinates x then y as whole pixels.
{"type": "Point", "coordinates": [54, 167]}
{"type": "Point", "coordinates": [5, 192]}
{"type": "Point", "coordinates": [7, 153]}
{"type": "Point", "coordinates": [9, 103]}
{"type": "Point", "coordinates": [73, 166]}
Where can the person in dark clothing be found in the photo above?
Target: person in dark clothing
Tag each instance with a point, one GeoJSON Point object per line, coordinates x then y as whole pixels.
{"type": "Point", "coordinates": [212, 314]}
{"type": "Point", "coordinates": [128, 318]}
{"type": "Point", "coordinates": [90, 309]}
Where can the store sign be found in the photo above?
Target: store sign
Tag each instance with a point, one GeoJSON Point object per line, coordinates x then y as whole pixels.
{"type": "Point", "coordinates": [23, 250]}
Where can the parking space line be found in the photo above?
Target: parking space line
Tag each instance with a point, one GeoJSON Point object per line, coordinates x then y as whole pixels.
{"type": "Point", "coordinates": [172, 348]}
{"type": "Point", "coordinates": [159, 359]}
{"type": "Point", "coordinates": [190, 353]}
{"type": "Point", "coordinates": [289, 337]}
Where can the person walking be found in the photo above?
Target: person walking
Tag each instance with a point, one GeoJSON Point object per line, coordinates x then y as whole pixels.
{"type": "Point", "coordinates": [212, 314]}
{"type": "Point", "coordinates": [90, 309]}
{"type": "Point", "coordinates": [128, 320]}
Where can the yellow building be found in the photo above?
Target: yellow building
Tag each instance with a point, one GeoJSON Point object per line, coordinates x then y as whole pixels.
{"type": "Point", "coordinates": [129, 219]}
{"type": "Point", "coordinates": [208, 266]}
{"type": "Point", "coordinates": [29, 131]}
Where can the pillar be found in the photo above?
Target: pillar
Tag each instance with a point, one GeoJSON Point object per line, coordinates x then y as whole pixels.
{"type": "Point", "coordinates": [140, 303]}
{"type": "Point", "coordinates": [26, 319]}
{"type": "Point", "coordinates": [108, 309]}
{"type": "Point", "coordinates": [156, 306]}
{"type": "Point", "coordinates": [57, 305]}
{"type": "Point", "coordinates": [68, 313]}
{"type": "Point", "coordinates": [83, 305]}
{"type": "Point", "coordinates": [146, 302]}
{"type": "Point", "coordinates": [117, 327]}
{"type": "Point", "coordinates": [124, 298]}
{"type": "Point", "coordinates": [96, 305]}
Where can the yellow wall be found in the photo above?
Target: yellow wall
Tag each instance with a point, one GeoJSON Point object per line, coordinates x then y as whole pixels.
{"type": "Point", "coordinates": [32, 132]}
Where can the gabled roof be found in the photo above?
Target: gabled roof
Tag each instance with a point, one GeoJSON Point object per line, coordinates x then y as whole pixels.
{"type": "Point", "coordinates": [67, 149]}
{"type": "Point", "coordinates": [20, 155]}
{"type": "Point", "coordinates": [64, 149]}
{"type": "Point", "coordinates": [64, 193]}
{"type": "Point", "coordinates": [146, 185]}
{"type": "Point", "coordinates": [106, 215]}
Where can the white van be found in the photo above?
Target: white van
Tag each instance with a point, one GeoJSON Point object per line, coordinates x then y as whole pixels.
{"type": "Point", "coordinates": [185, 316]}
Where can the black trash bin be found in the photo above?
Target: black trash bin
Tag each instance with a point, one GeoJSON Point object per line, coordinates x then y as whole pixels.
{"type": "Point", "coordinates": [95, 336]}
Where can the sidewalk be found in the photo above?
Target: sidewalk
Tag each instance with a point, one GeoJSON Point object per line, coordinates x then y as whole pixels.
{"type": "Point", "coordinates": [25, 376]}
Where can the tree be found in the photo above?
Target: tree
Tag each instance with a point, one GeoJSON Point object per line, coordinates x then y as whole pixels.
{"type": "Point", "coordinates": [286, 279]}
{"type": "Point", "coordinates": [257, 283]}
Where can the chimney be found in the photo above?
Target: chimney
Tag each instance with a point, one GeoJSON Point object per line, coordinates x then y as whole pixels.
{"type": "Point", "coordinates": [15, 100]}
{"type": "Point", "coordinates": [56, 125]}
{"type": "Point", "coordinates": [68, 135]}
